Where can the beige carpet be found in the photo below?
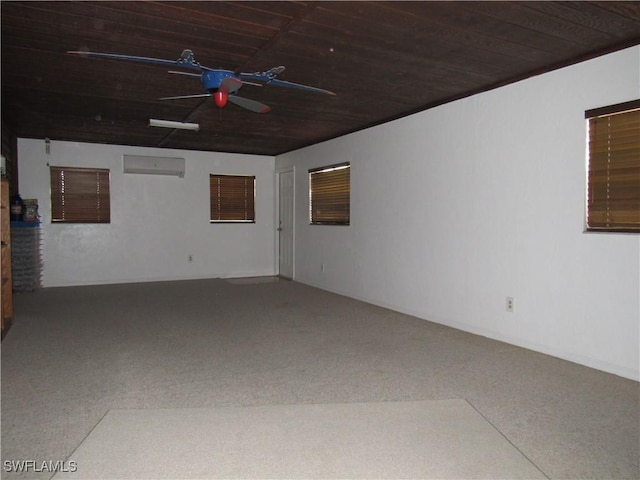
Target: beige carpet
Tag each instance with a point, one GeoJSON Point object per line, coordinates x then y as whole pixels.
{"type": "Point", "coordinates": [252, 280]}
{"type": "Point", "coordinates": [445, 439]}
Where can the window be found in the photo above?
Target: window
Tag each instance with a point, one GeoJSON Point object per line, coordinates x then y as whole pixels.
{"type": "Point", "coordinates": [232, 198]}
{"type": "Point", "coordinates": [330, 195]}
{"type": "Point", "coordinates": [613, 170]}
{"type": "Point", "coordinates": [80, 195]}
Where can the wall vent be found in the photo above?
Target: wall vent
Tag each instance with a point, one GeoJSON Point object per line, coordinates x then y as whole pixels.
{"type": "Point", "coordinates": [151, 165]}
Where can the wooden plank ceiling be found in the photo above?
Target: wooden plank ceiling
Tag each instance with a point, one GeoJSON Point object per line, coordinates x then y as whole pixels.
{"type": "Point", "coordinates": [383, 60]}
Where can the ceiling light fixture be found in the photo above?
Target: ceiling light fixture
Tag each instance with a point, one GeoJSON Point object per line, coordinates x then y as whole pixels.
{"type": "Point", "coordinates": [154, 122]}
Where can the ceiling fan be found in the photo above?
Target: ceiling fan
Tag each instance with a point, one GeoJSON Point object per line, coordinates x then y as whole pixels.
{"type": "Point", "coordinates": [221, 84]}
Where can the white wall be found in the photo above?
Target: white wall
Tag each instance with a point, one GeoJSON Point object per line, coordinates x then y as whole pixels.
{"type": "Point", "coordinates": [157, 221]}
{"type": "Point", "coordinates": [489, 203]}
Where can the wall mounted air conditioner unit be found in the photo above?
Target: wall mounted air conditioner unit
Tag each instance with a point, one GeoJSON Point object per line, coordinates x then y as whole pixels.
{"type": "Point", "coordinates": [151, 165]}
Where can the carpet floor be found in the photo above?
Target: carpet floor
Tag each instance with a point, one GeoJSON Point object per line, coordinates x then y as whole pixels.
{"type": "Point", "coordinates": [446, 439]}
{"type": "Point", "coordinates": [78, 355]}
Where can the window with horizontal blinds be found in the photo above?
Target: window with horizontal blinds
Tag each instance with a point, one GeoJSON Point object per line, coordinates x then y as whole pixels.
{"type": "Point", "coordinates": [232, 198]}
{"type": "Point", "coordinates": [330, 195]}
{"type": "Point", "coordinates": [613, 170]}
{"type": "Point", "coordinates": [80, 195]}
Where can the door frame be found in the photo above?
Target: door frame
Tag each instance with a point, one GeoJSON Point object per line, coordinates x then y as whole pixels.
{"type": "Point", "coordinates": [291, 170]}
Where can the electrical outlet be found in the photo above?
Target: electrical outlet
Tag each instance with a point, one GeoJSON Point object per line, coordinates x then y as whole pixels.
{"type": "Point", "coordinates": [322, 267]}
{"type": "Point", "coordinates": [511, 304]}
{"type": "Point", "coordinates": [190, 258]}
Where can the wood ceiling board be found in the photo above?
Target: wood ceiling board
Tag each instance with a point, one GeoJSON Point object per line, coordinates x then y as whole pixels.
{"type": "Point", "coordinates": [628, 10]}
{"type": "Point", "coordinates": [600, 22]}
{"type": "Point", "coordinates": [87, 109]}
{"type": "Point", "coordinates": [384, 60]}
{"type": "Point", "coordinates": [208, 17]}
{"type": "Point", "coordinates": [423, 31]}
{"type": "Point", "coordinates": [86, 26]}
{"type": "Point", "coordinates": [113, 84]}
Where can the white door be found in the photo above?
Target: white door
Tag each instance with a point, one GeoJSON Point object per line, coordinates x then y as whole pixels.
{"type": "Point", "coordinates": [285, 224]}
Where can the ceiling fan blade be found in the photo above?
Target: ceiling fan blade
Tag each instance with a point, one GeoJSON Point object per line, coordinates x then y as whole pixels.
{"type": "Point", "coordinates": [177, 72]}
{"type": "Point", "coordinates": [266, 75]}
{"type": "Point", "coordinates": [251, 105]}
{"type": "Point", "coordinates": [269, 78]}
{"type": "Point", "coordinates": [299, 86]}
{"type": "Point", "coordinates": [179, 97]}
{"type": "Point", "coordinates": [186, 60]}
{"type": "Point", "coordinates": [230, 85]}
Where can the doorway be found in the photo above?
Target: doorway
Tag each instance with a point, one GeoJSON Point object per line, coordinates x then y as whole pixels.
{"type": "Point", "coordinates": [286, 224]}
